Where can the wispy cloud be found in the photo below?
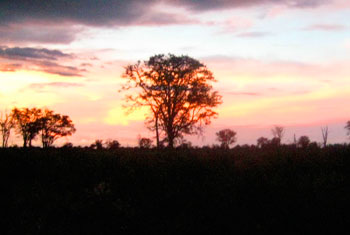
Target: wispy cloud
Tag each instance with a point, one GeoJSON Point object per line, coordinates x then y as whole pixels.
{"type": "Point", "coordinates": [55, 84]}
{"type": "Point", "coordinates": [325, 27]}
{"type": "Point", "coordinates": [244, 93]}
{"type": "Point", "coordinates": [253, 34]}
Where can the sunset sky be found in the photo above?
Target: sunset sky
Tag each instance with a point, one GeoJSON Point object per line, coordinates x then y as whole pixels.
{"type": "Point", "coordinates": [277, 62]}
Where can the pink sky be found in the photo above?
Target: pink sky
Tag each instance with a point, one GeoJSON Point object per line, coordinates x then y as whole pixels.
{"type": "Point", "coordinates": [283, 63]}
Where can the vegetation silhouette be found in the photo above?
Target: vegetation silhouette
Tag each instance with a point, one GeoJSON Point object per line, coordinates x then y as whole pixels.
{"type": "Point", "coordinates": [226, 137]}
{"type": "Point", "coordinates": [278, 132]}
{"type": "Point", "coordinates": [31, 122]}
{"type": "Point", "coordinates": [6, 124]}
{"type": "Point", "coordinates": [177, 92]}
{"type": "Point", "coordinates": [246, 189]}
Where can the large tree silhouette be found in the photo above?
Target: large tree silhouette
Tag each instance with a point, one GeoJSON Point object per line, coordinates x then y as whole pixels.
{"type": "Point", "coordinates": [177, 92]}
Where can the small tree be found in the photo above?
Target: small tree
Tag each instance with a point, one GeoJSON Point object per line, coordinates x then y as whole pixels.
{"type": "Point", "coordinates": [98, 144]}
{"type": "Point", "coordinates": [347, 127]}
{"type": "Point", "coordinates": [6, 124]}
{"type": "Point", "coordinates": [112, 144]}
{"type": "Point", "coordinates": [27, 123]}
{"type": "Point", "coordinates": [177, 91]}
{"type": "Point", "coordinates": [304, 141]}
{"type": "Point", "coordinates": [262, 141]}
{"type": "Point", "coordinates": [54, 126]}
{"type": "Point", "coordinates": [226, 137]}
{"type": "Point", "coordinates": [324, 131]}
{"type": "Point", "coordinates": [144, 142]}
{"type": "Point", "coordinates": [278, 132]}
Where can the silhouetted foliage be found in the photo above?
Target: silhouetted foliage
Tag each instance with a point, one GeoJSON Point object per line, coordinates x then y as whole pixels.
{"type": "Point", "coordinates": [324, 131]}
{"type": "Point", "coordinates": [262, 141]}
{"type": "Point", "coordinates": [112, 144]}
{"type": "Point", "coordinates": [303, 141]}
{"type": "Point", "coordinates": [145, 142]}
{"type": "Point", "coordinates": [6, 124]}
{"type": "Point", "coordinates": [226, 137]}
{"type": "Point", "coordinates": [98, 144]}
{"type": "Point", "coordinates": [347, 127]}
{"type": "Point", "coordinates": [278, 132]}
{"type": "Point", "coordinates": [54, 126]}
{"type": "Point", "coordinates": [27, 123]}
{"type": "Point", "coordinates": [246, 190]}
{"type": "Point", "coordinates": [67, 145]}
{"type": "Point", "coordinates": [176, 89]}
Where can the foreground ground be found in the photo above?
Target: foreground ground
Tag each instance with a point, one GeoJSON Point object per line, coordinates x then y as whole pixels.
{"type": "Point", "coordinates": [133, 191]}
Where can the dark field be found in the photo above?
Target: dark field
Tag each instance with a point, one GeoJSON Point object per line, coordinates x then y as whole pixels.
{"type": "Point", "coordinates": [133, 191]}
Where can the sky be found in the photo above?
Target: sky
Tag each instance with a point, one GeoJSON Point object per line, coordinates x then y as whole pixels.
{"type": "Point", "coordinates": [276, 62]}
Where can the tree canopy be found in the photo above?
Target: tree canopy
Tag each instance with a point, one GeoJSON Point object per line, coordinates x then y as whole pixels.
{"type": "Point", "coordinates": [226, 137]}
{"type": "Point", "coordinates": [177, 91]}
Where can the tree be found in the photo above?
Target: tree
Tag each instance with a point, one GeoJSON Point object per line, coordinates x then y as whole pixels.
{"type": "Point", "coordinates": [27, 123]}
{"type": "Point", "coordinates": [54, 126]}
{"type": "Point", "coordinates": [226, 137]}
{"type": "Point", "coordinates": [304, 141]}
{"type": "Point", "coordinates": [177, 92]}
{"type": "Point", "coordinates": [324, 131]}
{"type": "Point", "coordinates": [98, 144]}
{"type": "Point", "coordinates": [347, 127]}
{"type": "Point", "coordinates": [262, 141]}
{"type": "Point", "coordinates": [278, 132]}
{"type": "Point", "coordinates": [144, 142]}
{"type": "Point", "coordinates": [112, 144]}
{"type": "Point", "coordinates": [6, 124]}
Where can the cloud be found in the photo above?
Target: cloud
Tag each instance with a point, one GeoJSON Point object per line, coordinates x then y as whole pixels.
{"type": "Point", "coordinates": [205, 5]}
{"type": "Point", "coordinates": [10, 67]}
{"type": "Point", "coordinates": [38, 33]}
{"type": "Point", "coordinates": [325, 27]}
{"type": "Point", "coordinates": [38, 59]}
{"type": "Point", "coordinates": [253, 34]}
{"type": "Point", "coordinates": [24, 53]}
{"type": "Point", "coordinates": [121, 12]}
{"type": "Point", "coordinates": [55, 84]}
{"type": "Point", "coordinates": [244, 93]}
{"type": "Point", "coordinates": [54, 68]}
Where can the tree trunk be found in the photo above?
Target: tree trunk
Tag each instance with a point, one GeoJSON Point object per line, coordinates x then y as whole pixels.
{"type": "Point", "coordinates": [157, 133]}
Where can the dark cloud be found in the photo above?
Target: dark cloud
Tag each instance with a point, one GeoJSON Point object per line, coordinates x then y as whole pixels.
{"type": "Point", "coordinates": [253, 34]}
{"type": "Point", "coordinates": [37, 59]}
{"type": "Point", "coordinates": [325, 27]}
{"type": "Point", "coordinates": [205, 5]}
{"type": "Point", "coordinates": [119, 12]}
{"type": "Point", "coordinates": [25, 53]}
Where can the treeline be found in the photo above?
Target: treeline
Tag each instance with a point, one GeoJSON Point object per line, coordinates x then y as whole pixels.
{"type": "Point", "coordinates": [34, 122]}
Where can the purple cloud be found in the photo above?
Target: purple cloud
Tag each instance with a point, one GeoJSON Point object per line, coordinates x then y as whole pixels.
{"type": "Point", "coordinates": [38, 59]}
{"type": "Point", "coordinates": [24, 53]}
